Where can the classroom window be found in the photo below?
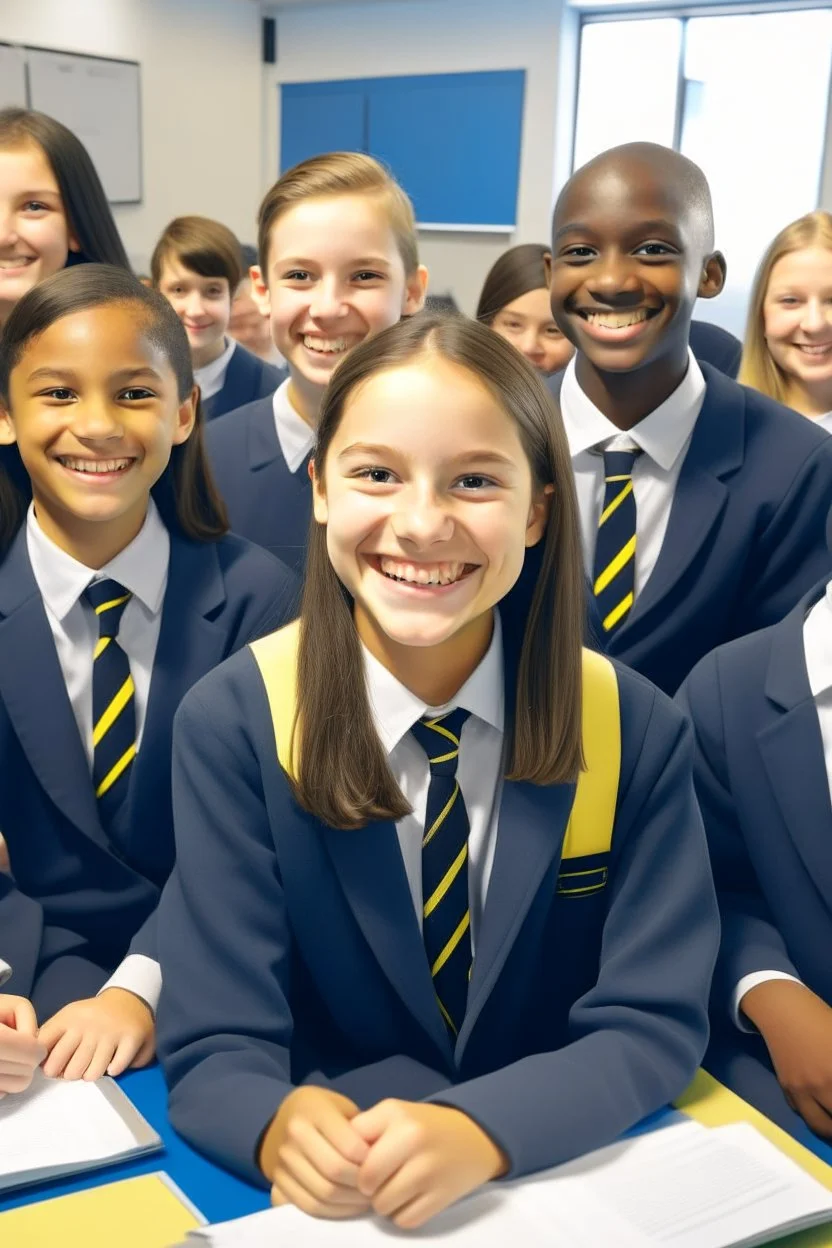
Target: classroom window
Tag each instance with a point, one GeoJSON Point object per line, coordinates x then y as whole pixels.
{"type": "Point", "coordinates": [746, 96]}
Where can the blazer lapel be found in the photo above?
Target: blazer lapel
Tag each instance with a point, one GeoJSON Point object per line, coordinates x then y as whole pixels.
{"type": "Point", "coordinates": [263, 446]}
{"type": "Point", "coordinates": [34, 694]}
{"type": "Point", "coordinates": [532, 825]}
{"type": "Point", "coordinates": [371, 871]}
{"type": "Point", "coordinates": [792, 750]}
{"type": "Point", "coordinates": [716, 450]}
{"type": "Point", "coordinates": [189, 646]}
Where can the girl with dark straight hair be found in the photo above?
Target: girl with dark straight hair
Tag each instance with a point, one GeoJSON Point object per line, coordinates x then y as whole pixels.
{"type": "Point", "coordinates": [52, 203]}
{"type": "Point", "coordinates": [460, 864]}
{"type": "Point", "coordinates": [119, 589]}
{"type": "Point", "coordinates": [515, 303]}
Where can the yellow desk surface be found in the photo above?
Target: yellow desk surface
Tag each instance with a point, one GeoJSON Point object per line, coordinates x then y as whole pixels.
{"type": "Point", "coordinates": [134, 1213]}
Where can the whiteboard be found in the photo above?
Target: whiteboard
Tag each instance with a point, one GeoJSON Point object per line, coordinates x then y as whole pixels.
{"type": "Point", "coordinates": [99, 101]}
{"type": "Point", "coordinates": [12, 77]}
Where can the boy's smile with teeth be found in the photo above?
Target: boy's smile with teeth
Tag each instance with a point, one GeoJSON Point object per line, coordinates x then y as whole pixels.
{"type": "Point", "coordinates": [326, 346]}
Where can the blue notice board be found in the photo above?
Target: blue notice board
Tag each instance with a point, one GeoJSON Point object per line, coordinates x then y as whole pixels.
{"type": "Point", "coordinates": [452, 140]}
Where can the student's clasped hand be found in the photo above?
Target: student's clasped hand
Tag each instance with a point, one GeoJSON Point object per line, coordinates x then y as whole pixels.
{"type": "Point", "coordinates": [21, 1052]}
{"type": "Point", "coordinates": [99, 1035]}
{"type": "Point", "coordinates": [407, 1161]}
{"type": "Point", "coordinates": [797, 1028]}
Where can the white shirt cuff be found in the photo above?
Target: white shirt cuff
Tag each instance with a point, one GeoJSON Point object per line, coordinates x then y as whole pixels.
{"type": "Point", "coordinates": [745, 985]}
{"type": "Point", "coordinates": [5, 972]}
{"type": "Point", "coordinates": [140, 975]}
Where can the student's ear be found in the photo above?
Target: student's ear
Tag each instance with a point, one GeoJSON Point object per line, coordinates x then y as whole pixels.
{"type": "Point", "coordinates": [72, 242]}
{"type": "Point", "coordinates": [320, 509]}
{"type": "Point", "coordinates": [186, 418]}
{"type": "Point", "coordinates": [8, 437]}
{"type": "Point", "coordinates": [415, 291]}
{"type": "Point", "coordinates": [259, 291]}
{"type": "Point", "coordinates": [547, 268]}
{"type": "Point", "coordinates": [713, 276]}
{"type": "Point", "coordinates": [539, 515]}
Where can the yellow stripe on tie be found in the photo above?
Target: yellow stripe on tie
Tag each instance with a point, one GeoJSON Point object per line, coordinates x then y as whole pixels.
{"type": "Point", "coordinates": [617, 612]}
{"type": "Point", "coordinates": [446, 881]}
{"type": "Point", "coordinates": [113, 711]}
{"type": "Point", "coordinates": [446, 1015]}
{"type": "Point", "coordinates": [114, 772]}
{"type": "Point", "coordinates": [445, 732]}
{"type": "Point", "coordinates": [441, 817]}
{"type": "Point", "coordinates": [451, 945]}
{"type": "Point", "coordinates": [623, 476]}
{"type": "Point", "coordinates": [114, 602]}
{"type": "Point", "coordinates": [615, 565]}
{"type": "Point", "coordinates": [616, 502]}
{"type": "Point", "coordinates": [445, 758]}
{"type": "Point", "coordinates": [100, 646]}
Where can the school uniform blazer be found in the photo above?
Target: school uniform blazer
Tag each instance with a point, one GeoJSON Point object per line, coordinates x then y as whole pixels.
{"type": "Point", "coordinates": [746, 536]}
{"type": "Point", "coordinates": [586, 1009]}
{"type": "Point", "coordinates": [266, 502]}
{"type": "Point", "coordinates": [247, 378]}
{"type": "Point", "coordinates": [80, 898]}
{"type": "Point", "coordinates": [763, 788]}
{"type": "Point", "coordinates": [715, 345]}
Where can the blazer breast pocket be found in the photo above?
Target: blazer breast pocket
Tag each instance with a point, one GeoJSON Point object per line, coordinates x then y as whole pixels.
{"type": "Point", "coordinates": [579, 878]}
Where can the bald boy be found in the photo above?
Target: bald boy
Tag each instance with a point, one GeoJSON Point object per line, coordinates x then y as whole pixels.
{"type": "Point", "coordinates": [703, 504]}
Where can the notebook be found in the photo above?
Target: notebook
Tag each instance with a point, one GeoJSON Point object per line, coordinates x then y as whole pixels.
{"type": "Point", "coordinates": [145, 1212]}
{"type": "Point", "coordinates": [56, 1128]}
{"type": "Point", "coordinates": [683, 1185]}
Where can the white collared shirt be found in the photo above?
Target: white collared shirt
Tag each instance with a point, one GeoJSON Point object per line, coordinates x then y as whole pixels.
{"type": "Point", "coordinates": [142, 568]}
{"type": "Point", "coordinates": [5, 972]}
{"type": "Point", "coordinates": [296, 438]}
{"type": "Point", "coordinates": [663, 437]}
{"type": "Point", "coordinates": [479, 772]}
{"type": "Point", "coordinates": [824, 422]}
{"type": "Point", "coordinates": [817, 648]}
{"type": "Point", "coordinates": [211, 378]}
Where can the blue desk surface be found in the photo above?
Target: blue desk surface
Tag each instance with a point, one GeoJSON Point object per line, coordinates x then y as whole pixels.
{"type": "Point", "coordinates": [217, 1194]}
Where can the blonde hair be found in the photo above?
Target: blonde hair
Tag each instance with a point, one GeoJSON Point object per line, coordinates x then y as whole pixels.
{"type": "Point", "coordinates": [757, 367]}
{"type": "Point", "coordinates": [339, 173]}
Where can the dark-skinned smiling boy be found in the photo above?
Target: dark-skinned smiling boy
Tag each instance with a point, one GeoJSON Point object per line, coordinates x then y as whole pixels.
{"type": "Point", "coordinates": [727, 493]}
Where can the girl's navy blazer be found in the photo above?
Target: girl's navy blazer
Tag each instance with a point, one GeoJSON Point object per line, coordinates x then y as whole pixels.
{"type": "Point", "coordinates": [80, 898]}
{"type": "Point", "coordinates": [763, 787]}
{"type": "Point", "coordinates": [266, 502]}
{"type": "Point", "coordinates": [247, 378]}
{"type": "Point", "coordinates": [292, 952]}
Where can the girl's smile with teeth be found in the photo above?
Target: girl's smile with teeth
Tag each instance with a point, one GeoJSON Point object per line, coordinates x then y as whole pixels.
{"type": "Point", "coordinates": [443, 572]}
{"type": "Point", "coordinates": [95, 467]}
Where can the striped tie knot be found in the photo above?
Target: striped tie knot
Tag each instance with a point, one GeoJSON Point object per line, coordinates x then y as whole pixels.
{"type": "Point", "coordinates": [439, 738]}
{"type": "Point", "coordinates": [618, 465]}
{"type": "Point", "coordinates": [108, 600]}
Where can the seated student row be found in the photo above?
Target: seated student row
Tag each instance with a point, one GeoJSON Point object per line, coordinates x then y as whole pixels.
{"type": "Point", "coordinates": [697, 265]}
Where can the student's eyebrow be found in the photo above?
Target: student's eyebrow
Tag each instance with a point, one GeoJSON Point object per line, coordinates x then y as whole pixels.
{"type": "Point", "coordinates": [40, 194]}
{"type": "Point", "coordinates": [571, 227]}
{"type": "Point", "coordinates": [67, 374]}
{"type": "Point", "coordinates": [361, 262]}
{"type": "Point", "coordinates": [466, 457]}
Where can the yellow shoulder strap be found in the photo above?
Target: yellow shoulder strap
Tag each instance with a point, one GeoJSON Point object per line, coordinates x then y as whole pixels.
{"type": "Point", "coordinates": [593, 810]}
{"type": "Point", "coordinates": [277, 657]}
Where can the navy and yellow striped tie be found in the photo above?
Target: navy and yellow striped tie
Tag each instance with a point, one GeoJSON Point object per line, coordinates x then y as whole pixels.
{"type": "Point", "coordinates": [113, 701]}
{"type": "Point", "coordinates": [614, 572]}
{"type": "Point", "coordinates": [446, 923]}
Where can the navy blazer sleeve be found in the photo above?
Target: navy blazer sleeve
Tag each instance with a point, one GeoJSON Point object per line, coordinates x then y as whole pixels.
{"type": "Point", "coordinates": [791, 554]}
{"type": "Point", "coordinates": [264, 596]}
{"type": "Point", "coordinates": [225, 1033]}
{"type": "Point", "coordinates": [642, 1029]}
{"type": "Point", "coordinates": [750, 940]}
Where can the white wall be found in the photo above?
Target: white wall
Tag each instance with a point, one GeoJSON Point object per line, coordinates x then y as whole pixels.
{"type": "Point", "coordinates": [201, 99]}
{"type": "Point", "coordinates": [380, 38]}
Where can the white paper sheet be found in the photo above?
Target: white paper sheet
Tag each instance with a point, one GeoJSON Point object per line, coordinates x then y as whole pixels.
{"type": "Point", "coordinates": [685, 1186]}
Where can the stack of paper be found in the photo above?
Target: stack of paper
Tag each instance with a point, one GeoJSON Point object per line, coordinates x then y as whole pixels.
{"type": "Point", "coordinates": [57, 1128]}
{"type": "Point", "coordinates": [685, 1185]}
